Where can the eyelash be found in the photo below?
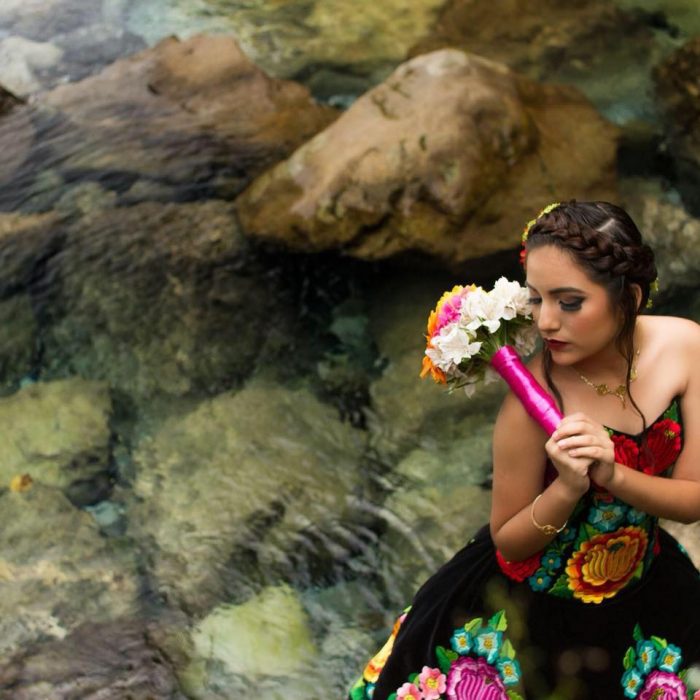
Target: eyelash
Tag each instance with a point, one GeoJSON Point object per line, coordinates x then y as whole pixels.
{"type": "Point", "coordinates": [565, 306]}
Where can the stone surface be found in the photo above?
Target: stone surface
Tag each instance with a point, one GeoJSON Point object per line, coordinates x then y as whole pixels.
{"type": "Point", "coordinates": [447, 158]}
{"type": "Point", "coordinates": [678, 90]}
{"type": "Point", "coordinates": [57, 572]}
{"type": "Point", "coordinates": [60, 437]}
{"type": "Point", "coordinates": [260, 473]}
{"type": "Point", "coordinates": [21, 59]}
{"type": "Point", "coordinates": [109, 661]}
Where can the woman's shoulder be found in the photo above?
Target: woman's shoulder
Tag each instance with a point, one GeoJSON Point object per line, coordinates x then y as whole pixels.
{"type": "Point", "coordinates": [672, 335]}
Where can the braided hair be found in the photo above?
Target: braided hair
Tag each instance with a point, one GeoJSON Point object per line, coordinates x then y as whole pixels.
{"type": "Point", "coordinates": [604, 241]}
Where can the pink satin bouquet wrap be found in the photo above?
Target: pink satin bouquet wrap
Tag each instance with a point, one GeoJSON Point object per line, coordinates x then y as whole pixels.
{"type": "Point", "coordinates": [475, 335]}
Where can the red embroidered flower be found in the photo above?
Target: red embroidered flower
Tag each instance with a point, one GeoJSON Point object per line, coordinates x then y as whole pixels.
{"type": "Point", "coordinates": [626, 451]}
{"type": "Point", "coordinates": [519, 570]}
{"type": "Point", "coordinates": [663, 447]}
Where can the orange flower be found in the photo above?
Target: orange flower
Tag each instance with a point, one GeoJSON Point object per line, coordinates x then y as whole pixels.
{"type": "Point", "coordinates": [605, 563]}
{"type": "Point", "coordinates": [376, 664]}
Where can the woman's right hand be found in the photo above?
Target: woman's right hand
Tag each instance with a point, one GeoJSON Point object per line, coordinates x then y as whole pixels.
{"type": "Point", "coordinates": [573, 471]}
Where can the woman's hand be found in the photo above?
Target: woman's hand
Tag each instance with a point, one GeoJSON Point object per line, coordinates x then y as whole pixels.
{"type": "Point", "coordinates": [582, 438]}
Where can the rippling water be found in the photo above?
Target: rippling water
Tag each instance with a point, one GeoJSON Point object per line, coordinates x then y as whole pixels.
{"type": "Point", "coordinates": [232, 477]}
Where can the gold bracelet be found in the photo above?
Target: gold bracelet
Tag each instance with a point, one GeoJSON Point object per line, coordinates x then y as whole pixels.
{"type": "Point", "coordinates": [545, 529]}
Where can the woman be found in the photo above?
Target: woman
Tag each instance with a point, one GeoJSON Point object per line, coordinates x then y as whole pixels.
{"type": "Point", "coordinates": [573, 591]}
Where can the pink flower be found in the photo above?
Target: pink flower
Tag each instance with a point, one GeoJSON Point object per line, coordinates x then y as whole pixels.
{"type": "Point", "coordinates": [432, 683]}
{"type": "Point", "coordinates": [408, 691]}
{"type": "Point", "coordinates": [661, 685]}
{"type": "Point", "coordinates": [474, 679]}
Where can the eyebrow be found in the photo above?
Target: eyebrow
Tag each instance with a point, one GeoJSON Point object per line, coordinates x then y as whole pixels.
{"type": "Point", "coordinates": [560, 290]}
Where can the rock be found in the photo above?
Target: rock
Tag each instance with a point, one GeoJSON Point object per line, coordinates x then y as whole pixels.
{"type": "Point", "coordinates": [196, 115]}
{"type": "Point", "coordinates": [157, 300]}
{"type": "Point", "coordinates": [57, 571]}
{"type": "Point", "coordinates": [671, 232]}
{"type": "Point", "coordinates": [18, 341]}
{"type": "Point", "coordinates": [447, 158]}
{"type": "Point", "coordinates": [16, 136]}
{"type": "Point", "coordinates": [678, 90]}
{"type": "Point", "coordinates": [110, 661]}
{"type": "Point", "coordinates": [688, 536]}
{"type": "Point", "coordinates": [261, 473]}
{"type": "Point", "coordinates": [60, 436]}
{"type": "Point", "coordinates": [22, 59]}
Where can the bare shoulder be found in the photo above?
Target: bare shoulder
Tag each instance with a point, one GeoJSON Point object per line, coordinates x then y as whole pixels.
{"type": "Point", "coordinates": [672, 336]}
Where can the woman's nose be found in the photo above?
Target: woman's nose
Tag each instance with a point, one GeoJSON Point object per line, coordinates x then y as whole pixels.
{"type": "Point", "coordinates": [548, 318]}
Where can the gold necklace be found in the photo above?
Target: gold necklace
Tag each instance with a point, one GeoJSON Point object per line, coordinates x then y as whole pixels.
{"type": "Point", "coordinates": [621, 390]}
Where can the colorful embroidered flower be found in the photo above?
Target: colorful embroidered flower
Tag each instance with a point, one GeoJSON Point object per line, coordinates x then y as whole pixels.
{"type": "Point", "coordinates": [461, 641]}
{"type": "Point", "coordinates": [540, 580]}
{"type": "Point", "coordinates": [663, 445]}
{"type": "Point", "coordinates": [408, 691]}
{"type": "Point", "coordinates": [510, 671]}
{"type": "Point", "coordinates": [518, 570]}
{"type": "Point", "coordinates": [432, 683]}
{"type": "Point", "coordinates": [369, 690]}
{"type": "Point", "coordinates": [474, 679]}
{"type": "Point", "coordinates": [607, 516]}
{"type": "Point", "coordinates": [551, 561]}
{"type": "Point", "coordinates": [376, 663]}
{"type": "Point", "coordinates": [635, 516]}
{"type": "Point", "coordinates": [670, 658]}
{"type": "Point", "coordinates": [605, 563]}
{"type": "Point", "coordinates": [660, 685]}
{"type": "Point", "coordinates": [488, 642]}
{"type": "Point", "coordinates": [626, 451]}
{"type": "Point", "coordinates": [632, 682]}
{"type": "Point", "coordinates": [646, 655]}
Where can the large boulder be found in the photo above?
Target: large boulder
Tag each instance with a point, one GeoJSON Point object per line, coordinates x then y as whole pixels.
{"type": "Point", "coordinates": [678, 89]}
{"type": "Point", "coordinates": [60, 437]}
{"type": "Point", "coordinates": [195, 116]}
{"type": "Point", "coordinates": [57, 571]}
{"type": "Point", "coordinates": [265, 473]}
{"type": "Point", "coordinates": [448, 158]}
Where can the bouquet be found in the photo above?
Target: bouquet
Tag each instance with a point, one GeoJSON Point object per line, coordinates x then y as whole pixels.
{"type": "Point", "coordinates": [475, 335]}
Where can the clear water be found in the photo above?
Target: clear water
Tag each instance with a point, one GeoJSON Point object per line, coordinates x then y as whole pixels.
{"type": "Point", "coordinates": [235, 479]}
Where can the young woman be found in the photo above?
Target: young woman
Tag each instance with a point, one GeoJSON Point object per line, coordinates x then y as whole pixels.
{"type": "Point", "coordinates": [573, 591]}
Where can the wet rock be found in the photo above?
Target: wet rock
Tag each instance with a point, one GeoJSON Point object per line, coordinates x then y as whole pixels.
{"type": "Point", "coordinates": [157, 300]}
{"type": "Point", "coordinates": [57, 571]}
{"type": "Point", "coordinates": [592, 44]}
{"type": "Point", "coordinates": [22, 59]}
{"type": "Point", "coordinates": [678, 89]}
{"type": "Point", "coordinates": [110, 661]}
{"type": "Point", "coordinates": [446, 158]}
{"type": "Point", "coordinates": [18, 341]}
{"type": "Point", "coordinates": [258, 474]}
{"type": "Point", "coordinates": [60, 436]}
{"type": "Point", "coordinates": [16, 136]}
{"type": "Point", "coordinates": [196, 115]}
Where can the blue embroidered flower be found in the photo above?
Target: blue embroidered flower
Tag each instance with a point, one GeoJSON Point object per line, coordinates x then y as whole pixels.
{"type": "Point", "coordinates": [461, 641]}
{"type": "Point", "coordinates": [632, 682]}
{"type": "Point", "coordinates": [509, 670]}
{"type": "Point", "coordinates": [635, 516]}
{"type": "Point", "coordinates": [606, 516]}
{"type": "Point", "coordinates": [551, 561]}
{"type": "Point", "coordinates": [646, 655]}
{"type": "Point", "coordinates": [540, 580]}
{"type": "Point", "coordinates": [567, 534]}
{"type": "Point", "coordinates": [488, 643]}
{"type": "Point", "coordinates": [670, 658]}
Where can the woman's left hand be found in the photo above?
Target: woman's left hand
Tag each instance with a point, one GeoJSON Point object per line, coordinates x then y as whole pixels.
{"type": "Point", "coordinates": [581, 436]}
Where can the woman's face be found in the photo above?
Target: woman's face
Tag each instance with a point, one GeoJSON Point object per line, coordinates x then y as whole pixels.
{"type": "Point", "coordinates": [568, 307]}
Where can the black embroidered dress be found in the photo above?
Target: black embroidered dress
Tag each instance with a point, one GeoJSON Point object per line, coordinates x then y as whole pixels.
{"type": "Point", "coordinates": [609, 609]}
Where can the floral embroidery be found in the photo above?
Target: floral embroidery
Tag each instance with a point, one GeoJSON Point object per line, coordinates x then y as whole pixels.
{"type": "Point", "coordinates": [481, 665]}
{"type": "Point", "coordinates": [663, 447]}
{"type": "Point", "coordinates": [626, 450]}
{"type": "Point", "coordinates": [376, 664]}
{"type": "Point", "coordinates": [650, 670]}
{"type": "Point", "coordinates": [518, 570]}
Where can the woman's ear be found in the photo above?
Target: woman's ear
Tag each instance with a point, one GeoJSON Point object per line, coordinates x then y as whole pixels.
{"type": "Point", "coordinates": [637, 291]}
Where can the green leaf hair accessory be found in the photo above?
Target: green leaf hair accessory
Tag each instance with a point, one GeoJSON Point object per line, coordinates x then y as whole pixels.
{"type": "Point", "coordinates": [653, 290]}
{"type": "Point", "coordinates": [529, 225]}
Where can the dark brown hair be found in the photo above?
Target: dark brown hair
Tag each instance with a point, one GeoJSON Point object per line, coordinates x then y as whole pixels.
{"type": "Point", "coordinates": [604, 241]}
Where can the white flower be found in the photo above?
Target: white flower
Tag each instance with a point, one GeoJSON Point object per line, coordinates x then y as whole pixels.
{"type": "Point", "coordinates": [525, 340]}
{"type": "Point", "coordinates": [512, 298]}
{"type": "Point", "coordinates": [469, 389]}
{"type": "Point", "coordinates": [451, 346]}
{"type": "Point", "coordinates": [479, 308]}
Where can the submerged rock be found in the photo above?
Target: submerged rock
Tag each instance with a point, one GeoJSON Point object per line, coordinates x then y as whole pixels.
{"type": "Point", "coordinates": [110, 661]}
{"type": "Point", "coordinates": [57, 571]}
{"type": "Point", "coordinates": [60, 437]}
{"type": "Point", "coordinates": [260, 475]}
{"type": "Point", "coordinates": [447, 158]}
{"type": "Point", "coordinates": [678, 90]}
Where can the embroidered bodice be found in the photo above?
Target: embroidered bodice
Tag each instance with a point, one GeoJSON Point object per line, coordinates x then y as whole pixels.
{"type": "Point", "coordinates": [607, 544]}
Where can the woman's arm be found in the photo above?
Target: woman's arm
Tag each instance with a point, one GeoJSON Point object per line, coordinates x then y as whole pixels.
{"type": "Point", "coordinates": [520, 448]}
